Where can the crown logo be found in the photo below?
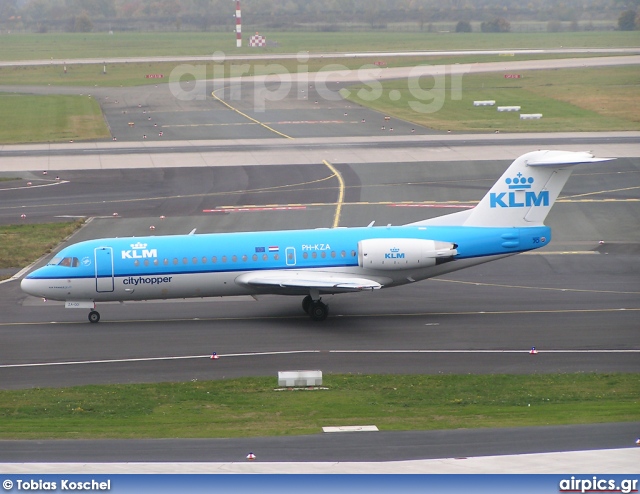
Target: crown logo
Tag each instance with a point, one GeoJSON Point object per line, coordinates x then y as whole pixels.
{"type": "Point", "coordinates": [519, 182]}
{"type": "Point", "coordinates": [139, 246]}
{"type": "Point", "coordinates": [394, 249]}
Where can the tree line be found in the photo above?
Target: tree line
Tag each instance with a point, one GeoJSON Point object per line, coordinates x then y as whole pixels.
{"type": "Point", "coordinates": [87, 15]}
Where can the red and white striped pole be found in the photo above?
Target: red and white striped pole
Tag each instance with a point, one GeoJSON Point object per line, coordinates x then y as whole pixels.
{"type": "Point", "coordinates": [238, 25]}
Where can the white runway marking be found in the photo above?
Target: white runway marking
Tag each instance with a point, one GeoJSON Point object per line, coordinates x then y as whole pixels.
{"type": "Point", "coordinates": [48, 184]}
{"type": "Point", "coordinates": [297, 352]}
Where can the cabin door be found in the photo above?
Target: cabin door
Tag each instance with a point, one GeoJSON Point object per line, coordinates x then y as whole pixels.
{"type": "Point", "coordinates": [104, 269]}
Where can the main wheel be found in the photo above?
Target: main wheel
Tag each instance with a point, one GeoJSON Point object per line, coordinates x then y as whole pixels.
{"type": "Point", "coordinates": [94, 316]}
{"type": "Point", "coordinates": [318, 311]}
{"type": "Point", "coordinates": [306, 303]}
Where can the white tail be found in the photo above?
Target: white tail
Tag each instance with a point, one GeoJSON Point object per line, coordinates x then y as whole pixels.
{"type": "Point", "coordinates": [525, 193]}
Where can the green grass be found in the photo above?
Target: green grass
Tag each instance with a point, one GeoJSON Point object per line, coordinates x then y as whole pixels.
{"type": "Point", "coordinates": [590, 99]}
{"type": "Point", "coordinates": [20, 245]}
{"type": "Point", "coordinates": [29, 118]}
{"type": "Point", "coordinates": [250, 407]}
{"type": "Point", "coordinates": [61, 46]}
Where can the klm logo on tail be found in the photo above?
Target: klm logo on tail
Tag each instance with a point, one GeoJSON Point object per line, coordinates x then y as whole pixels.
{"type": "Point", "coordinates": [510, 200]}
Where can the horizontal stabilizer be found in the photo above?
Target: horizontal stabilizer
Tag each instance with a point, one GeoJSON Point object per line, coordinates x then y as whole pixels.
{"type": "Point", "coordinates": [564, 158]}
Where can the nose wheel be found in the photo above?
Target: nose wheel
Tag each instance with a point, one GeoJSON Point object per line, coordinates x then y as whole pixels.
{"type": "Point", "coordinates": [94, 316]}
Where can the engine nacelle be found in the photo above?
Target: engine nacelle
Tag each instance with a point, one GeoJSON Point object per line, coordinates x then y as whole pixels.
{"type": "Point", "coordinates": [403, 253]}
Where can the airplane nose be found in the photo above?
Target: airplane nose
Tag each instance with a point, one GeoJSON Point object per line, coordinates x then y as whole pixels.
{"type": "Point", "coordinates": [30, 286]}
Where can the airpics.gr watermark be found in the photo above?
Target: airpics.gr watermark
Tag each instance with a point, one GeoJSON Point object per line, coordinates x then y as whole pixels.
{"type": "Point", "coordinates": [427, 84]}
{"type": "Point", "coordinates": [595, 484]}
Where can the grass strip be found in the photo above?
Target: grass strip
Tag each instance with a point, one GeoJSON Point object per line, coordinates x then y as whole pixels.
{"type": "Point", "coordinates": [59, 47]}
{"type": "Point", "coordinates": [585, 99]}
{"type": "Point", "coordinates": [51, 118]}
{"type": "Point", "coordinates": [249, 407]}
{"type": "Point", "coordinates": [20, 245]}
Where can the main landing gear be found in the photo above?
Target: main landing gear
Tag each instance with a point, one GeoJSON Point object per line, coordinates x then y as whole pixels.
{"type": "Point", "coordinates": [317, 309]}
{"type": "Point", "coordinates": [94, 316]}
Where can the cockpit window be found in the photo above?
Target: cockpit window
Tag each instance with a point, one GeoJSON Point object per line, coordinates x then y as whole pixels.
{"type": "Point", "coordinates": [70, 262]}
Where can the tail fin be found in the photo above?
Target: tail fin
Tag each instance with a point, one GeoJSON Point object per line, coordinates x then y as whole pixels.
{"type": "Point", "coordinates": [525, 193]}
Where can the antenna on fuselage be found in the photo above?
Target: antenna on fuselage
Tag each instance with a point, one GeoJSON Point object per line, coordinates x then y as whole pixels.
{"type": "Point", "coordinates": [192, 231]}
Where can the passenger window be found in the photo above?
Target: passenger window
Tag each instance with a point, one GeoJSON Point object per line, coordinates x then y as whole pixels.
{"type": "Point", "coordinates": [244, 258]}
{"type": "Point", "coordinates": [305, 255]}
{"type": "Point", "coordinates": [155, 262]}
{"type": "Point", "coordinates": [314, 254]}
{"type": "Point", "coordinates": [185, 260]}
{"type": "Point", "coordinates": [224, 258]}
{"type": "Point", "coordinates": [333, 253]}
{"type": "Point", "coordinates": [146, 262]}
{"type": "Point", "coordinates": [265, 257]}
{"type": "Point", "coordinates": [254, 257]}
{"type": "Point", "coordinates": [194, 260]}
{"type": "Point", "coordinates": [276, 256]}
{"type": "Point", "coordinates": [323, 254]}
{"type": "Point", "coordinates": [234, 258]}
{"type": "Point", "coordinates": [214, 259]}
{"type": "Point", "coordinates": [204, 260]}
{"type": "Point", "coordinates": [354, 253]}
{"type": "Point", "coordinates": [165, 261]}
{"type": "Point", "coordinates": [175, 260]}
{"type": "Point", "coordinates": [136, 263]}
{"type": "Point", "coordinates": [343, 254]}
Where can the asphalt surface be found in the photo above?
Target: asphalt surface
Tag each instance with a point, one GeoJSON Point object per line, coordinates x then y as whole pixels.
{"type": "Point", "coordinates": [346, 447]}
{"type": "Point", "coordinates": [577, 303]}
{"type": "Point", "coordinates": [218, 56]}
{"type": "Point", "coordinates": [293, 105]}
{"type": "Point", "coordinates": [484, 319]}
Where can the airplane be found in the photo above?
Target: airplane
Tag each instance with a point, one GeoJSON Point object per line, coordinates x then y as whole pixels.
{"type": "Point", "coordinates": [313, 262]}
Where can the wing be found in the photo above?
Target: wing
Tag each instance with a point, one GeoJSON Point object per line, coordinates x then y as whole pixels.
{"type": "Point", "coordinates": [300, 282]}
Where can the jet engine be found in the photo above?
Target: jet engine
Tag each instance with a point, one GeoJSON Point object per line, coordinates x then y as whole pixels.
{"type": "Point", "coordinates": [403, 253]}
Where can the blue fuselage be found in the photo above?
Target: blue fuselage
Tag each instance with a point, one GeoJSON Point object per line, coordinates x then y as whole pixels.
{"type": "Point", "coordinates": [206, 265]}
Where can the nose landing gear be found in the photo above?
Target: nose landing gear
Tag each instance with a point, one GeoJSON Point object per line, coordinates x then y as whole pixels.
{"type": "Point", "coordinates": [94, 316]}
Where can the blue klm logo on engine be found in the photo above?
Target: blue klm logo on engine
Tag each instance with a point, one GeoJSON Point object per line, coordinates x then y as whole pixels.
{"type": "Point", "coordinates": [394, 253]}
{"type": "Point", "coordinates": [509, 199]}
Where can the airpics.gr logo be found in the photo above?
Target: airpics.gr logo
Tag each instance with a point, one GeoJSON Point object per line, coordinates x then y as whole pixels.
{"type": "Point", "coordinates": [511, 200]}
{"type": "Point", "coordinates": [394, 253]}
{"type": "Point", "coordinates": [139, 251]}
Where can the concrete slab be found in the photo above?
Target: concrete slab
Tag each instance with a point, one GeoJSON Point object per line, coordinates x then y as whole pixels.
{"type": "Point", "coordinates": [615, 461]}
